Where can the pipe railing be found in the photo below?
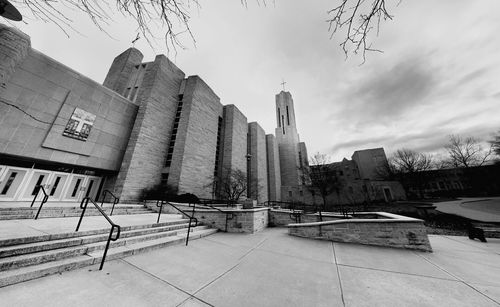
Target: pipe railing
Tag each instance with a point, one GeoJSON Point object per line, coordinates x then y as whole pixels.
{"type": "Point", "coordinates": [225, 212]}
{"type": "Point", "coordinates": [297, 209]}
{"type": "Point", "coordinates": [83, 205]}
{"type": "Point", "coordinates": [116, 200]}
{"type": "Point", "coordinates": [160, 203]}
{"type": "Point", "coordinates": [44, 200]}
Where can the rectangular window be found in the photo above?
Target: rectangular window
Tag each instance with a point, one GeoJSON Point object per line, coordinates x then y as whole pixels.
{"type": "Point", "coordinates": [56, 183]}
{"type": "Point", "coordinates": [279, 116]}
{"type": "Point", "coordinates": [283, 123]}
{"type": "Point", "coordinates": [77, 185]}
{"type": "Point", "coordinates": [37, 185]}
{"type": "Point", "coordinates": [287, 116]}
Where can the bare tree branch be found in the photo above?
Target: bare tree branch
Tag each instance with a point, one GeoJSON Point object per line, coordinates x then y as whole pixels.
{"type": "Point", "coordinates": [467, 152]}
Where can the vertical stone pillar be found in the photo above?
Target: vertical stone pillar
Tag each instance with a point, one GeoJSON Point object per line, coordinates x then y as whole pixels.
{"type": "Point", "coordinates": [14, 47]}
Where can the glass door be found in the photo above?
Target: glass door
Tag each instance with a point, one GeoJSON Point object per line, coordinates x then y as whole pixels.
{"type": "Point", "coordinates": [38, 177]}
{"type": "Point", "coordinates": [75, 188]}
{"type": "Point", "coordinates": [11, 182]}
{"type": "Point", "coordinates": [92, 185]}
{"type": "Point", "coordinates": [56, 186]}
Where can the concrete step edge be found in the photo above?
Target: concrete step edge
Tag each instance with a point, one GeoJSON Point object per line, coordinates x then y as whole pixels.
{"type": "Point", "coordinates": [49, 237]}
{"type": "Point", "coordinates": [45, 269]}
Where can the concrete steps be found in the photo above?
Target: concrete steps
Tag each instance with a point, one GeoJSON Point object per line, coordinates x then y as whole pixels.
{"type": "Point", "coordinates": [23, 259]}
{"type": "Point", "coordinates": [14, 213]}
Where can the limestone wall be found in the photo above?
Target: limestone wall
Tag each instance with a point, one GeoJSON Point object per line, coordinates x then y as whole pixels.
{"type": "Point", "coordinates": [387, 230]}
{"type": "Point", "coordinates": [235, 139]}
{"type": "Point", "coordinates": [241, 221]}
{"type": "Point", "coordinates": [202, 112]}
{"type": "Point", "coordinates": [273, 168]}
{"type": "Point", "coordinates": [50, 92]}
{"type": "Point", "coordinates": [258, 163]}
{"type": "Point", "coordinates": [147, 147]}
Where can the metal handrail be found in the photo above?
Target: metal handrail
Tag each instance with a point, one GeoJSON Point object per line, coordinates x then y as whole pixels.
{"type": "Point", "coordinates": [83, 205]}
{"type": "Point", "coordinates": [160, 203]}
{"type": "Point", "coordinates": [294, 207]}
{"type": "Point", "coordinates": [44, 200]}
{"type": "Point", "coordinates": [228, 203]}
{"type": "Point", "coordinates": [225, 212]}
{"type": "Point", "coordinates": [116, 200]}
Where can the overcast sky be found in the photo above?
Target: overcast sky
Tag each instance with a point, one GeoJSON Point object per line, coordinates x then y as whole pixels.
{"type": "Point", "coordinates": [439, 73]}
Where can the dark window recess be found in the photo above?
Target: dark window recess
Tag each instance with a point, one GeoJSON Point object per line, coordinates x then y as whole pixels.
{"type": "Point", "coordinates": [91, 183]}
{"type": "Point", "coordinates": [168, 163]}
{"type": "Point", "coordinates": [164, 179]}
{"type": "Point", "coordinates": [54, 187]}
{"type": "Point", "coordinates": [341, 173]}
{"type": "Point", "coordinates": [169, 156]}
{"type": "Point", "coordinates": [287, 116]}
{"type": "Point", "coordinates": [176, 125]}
{"type": "Point", "coordinates": [127, 91]}
{"type": "Point", "coordinates": [134, 92]}
{"type": "Point", "coordinates": [279, 116]}
{"type": "Point", "coordinates": [301, 193]}
{"type": "Point", "coordinates": [38, 183]}
{"type": "Point", "coordinates": [171, 150]}
{"type": "Point", "coordinates": [217, 148]}
{"type": "Point", "coordinates": [9, 183]}
{"type": "Point", "coordinates": [77, 185]}
{"type": "Point", "coordinates": [290, 193]}
{"type": "Point", "coordinates": [283, 123]}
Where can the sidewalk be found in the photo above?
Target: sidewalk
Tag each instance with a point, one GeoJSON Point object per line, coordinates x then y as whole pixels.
{"type": "Point", "coordinates": [271, 268]}
{"type": "Point", "coordinates": [479, 209]}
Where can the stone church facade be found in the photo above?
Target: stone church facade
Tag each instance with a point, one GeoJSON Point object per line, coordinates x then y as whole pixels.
{"type": "Point", "coordinates": [147, 124]}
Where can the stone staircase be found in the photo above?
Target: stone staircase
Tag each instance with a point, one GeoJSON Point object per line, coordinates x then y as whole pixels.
{"type": "Point", "coordinates": [54, 211]}
{"type": "Point", "coordinates": [32, 257]}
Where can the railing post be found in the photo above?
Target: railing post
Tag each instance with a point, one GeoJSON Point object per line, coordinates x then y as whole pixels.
{"type": "Point", "coordinates": [86, 200]}
{"type": "Point", "coordinates": [159, 212]}
{"type": "Point", "coordinates": [107, 246]}
{"type": "Point", "coordinates": [113, 208]}
{"type": "Point", "coordinates": [34, 198]}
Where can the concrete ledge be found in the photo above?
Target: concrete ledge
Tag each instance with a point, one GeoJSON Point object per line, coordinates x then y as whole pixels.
{"type": "Point", "coordinates": [384, 229]}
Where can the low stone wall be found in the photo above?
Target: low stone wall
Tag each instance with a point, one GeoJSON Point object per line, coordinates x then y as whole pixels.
{"type": "Point", "coordinates": [283, 217]}
{"type": "Point", "coordinates": [382, 229]}
{"type": "Point", "coordinates": [239, 220]}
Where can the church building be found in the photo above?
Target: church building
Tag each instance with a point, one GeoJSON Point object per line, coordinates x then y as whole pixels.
{"type": "Point", "coordinates": [148, 124]}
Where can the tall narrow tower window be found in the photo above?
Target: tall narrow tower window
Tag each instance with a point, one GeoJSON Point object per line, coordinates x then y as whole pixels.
{"type": "Point", "coordinates": [283, 125]}
{"type": "Point", "coordinates": [279, 115]}
{"type": "Point", "coordinates": [287, 116]}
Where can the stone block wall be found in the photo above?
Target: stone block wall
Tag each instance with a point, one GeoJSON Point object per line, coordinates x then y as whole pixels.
{"type": "Point", "coordinates": [242, 221]}
{"type": "Point", "coordinates": [391, 231]}
{"type": "Point", "coordinates": [147, 147]}
{"type": "Point", "coordinates": [273, 168]}
{"type": "Point", "coordinates": [192, 172]}
{"type": "Point", "coordinates": [50, 92]}
{"type": "Point", "coordinates": [258, 162]}
{"type": "Point", "coordinates": [235, 139]}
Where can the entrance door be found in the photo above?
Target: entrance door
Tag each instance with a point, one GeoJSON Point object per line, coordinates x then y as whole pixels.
{"type": "Point", "coordinates": [91, 187]}
{"type": "Point", "coordinates": [11, 182]}
{"type": "Point", "coordinates": [56, 186]}
{"type": "Point", "coordinates": [38, 177]}
{"type": "Point", "coordinates": [74, 190]}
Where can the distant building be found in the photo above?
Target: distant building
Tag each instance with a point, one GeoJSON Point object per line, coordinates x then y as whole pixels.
{"type": "Point", "coordinates": [358, 181]}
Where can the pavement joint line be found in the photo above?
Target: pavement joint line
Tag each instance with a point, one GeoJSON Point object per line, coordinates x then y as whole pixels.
{"type": "Point", "coordinates": [292, 256]}
{"type": "Point", "coordinates": [231, 268]}
{"type": "Point", "coordinates": [458, 279]}
{"type": "Point", "coordinates": [338, 274]}
{"type": "Point", "coordinates": [168, 283]}
{"type": "Point", "coordinates": [470, 245]}
{"type": "Point", "coordinates": [47, 233]}
{"type": "Point", "coordinates": [396, 272]}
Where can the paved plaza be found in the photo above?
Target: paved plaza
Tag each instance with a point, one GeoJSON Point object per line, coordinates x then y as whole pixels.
{"type": "Point", "coordinates": [479, 209]}
{"type": "Point", "coordinates": [271, 268]}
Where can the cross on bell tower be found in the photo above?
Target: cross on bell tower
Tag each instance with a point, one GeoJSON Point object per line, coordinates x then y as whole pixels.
{"type": "Point", "coordinates": [283, 84]}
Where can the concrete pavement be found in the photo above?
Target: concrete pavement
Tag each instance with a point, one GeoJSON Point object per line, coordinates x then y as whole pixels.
{"type": "Point", "coordinates": [271, 268]}
{"type": "Point", "coordinates": [479, 209]}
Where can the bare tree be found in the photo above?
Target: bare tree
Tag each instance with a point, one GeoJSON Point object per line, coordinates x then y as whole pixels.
{"type": "Point", "coordinates": [409, 161]}
{"type": "Point", "coordinates": [230, 185]}
{"type": "Point", "coordinates": [320, 175]}
{"type": "Point", "coordinates": [495, 143]}
{"type": "Point", "coordinates": [467, 152]}
{"type": "Point", "coordinates": [407, 167]}
{"type": "Point", "coordinates": [357, 18]}
{"type": "Point", "coordinates": [171, 15]}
